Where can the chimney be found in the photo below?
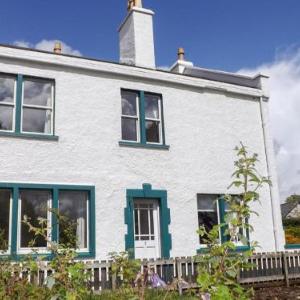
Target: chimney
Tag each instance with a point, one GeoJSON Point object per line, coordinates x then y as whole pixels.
{"type": "Point", "coordinates": [57, 48]}
{"type": "Point", "coordinates": [136, 36]}
{"type": "Point", "coordinates": [180, 65]}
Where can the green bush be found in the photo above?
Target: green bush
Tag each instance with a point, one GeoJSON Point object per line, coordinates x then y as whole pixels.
{"type": "Point", "coordinates": [291, 222]}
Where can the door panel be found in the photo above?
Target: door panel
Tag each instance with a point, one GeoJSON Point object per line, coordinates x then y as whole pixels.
{"type": "Point", "coordinates": [146, 228]}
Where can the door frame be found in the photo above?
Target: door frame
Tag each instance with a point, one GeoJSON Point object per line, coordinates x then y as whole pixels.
{"type": "Point", "coordinates": [164, 215]}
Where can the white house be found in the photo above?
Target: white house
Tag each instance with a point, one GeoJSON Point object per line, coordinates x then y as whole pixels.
{"type": "Point", "coordinates": [135, 155]}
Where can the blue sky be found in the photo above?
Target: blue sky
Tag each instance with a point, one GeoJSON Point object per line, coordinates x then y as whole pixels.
{"type": "Point", "coordinates": [252, 35]}
{"type": "Point", "coordinates": [220, 34]}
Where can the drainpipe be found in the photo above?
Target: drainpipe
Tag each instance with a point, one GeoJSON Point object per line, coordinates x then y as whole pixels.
{"type": "Point", "coordinates": [270, 161]}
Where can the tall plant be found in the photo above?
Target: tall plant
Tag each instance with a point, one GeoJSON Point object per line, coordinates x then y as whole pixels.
{"type": "Point", "coordinates": [220, 266]}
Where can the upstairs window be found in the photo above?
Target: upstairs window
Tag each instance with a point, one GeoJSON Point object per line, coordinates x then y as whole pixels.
{"type": "Point", "coordinates": [37, 106]}
{"type": "Point", "coordinates": [7, 102]}
{"type": "Point", "coordinates": [130, 116]}
{"type": "Point", "coordinates": [142, 118]}
{"type": "Point", "coordinates": [26, 105]}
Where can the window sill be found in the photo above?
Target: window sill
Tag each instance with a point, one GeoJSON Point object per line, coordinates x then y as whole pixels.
{"type": "Point", "coordinates": [238, 249]}
{"type": "Point", "coordinates": [44, 256]}
{"type": "Point", "coordinates": [29, 136]}
{"type": "Point", "coordinates": [147, 146]}
{"type": "Point", "coordinates": [292, 246]}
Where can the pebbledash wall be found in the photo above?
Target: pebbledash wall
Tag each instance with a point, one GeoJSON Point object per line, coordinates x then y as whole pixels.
{"type": "Point", "coordinates": [202, 126]}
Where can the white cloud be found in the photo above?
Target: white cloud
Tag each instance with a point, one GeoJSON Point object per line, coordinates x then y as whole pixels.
{"type": "Point", "coordinates": [284, 74]}
{"type": "Point", "coordinates": [48, 45]}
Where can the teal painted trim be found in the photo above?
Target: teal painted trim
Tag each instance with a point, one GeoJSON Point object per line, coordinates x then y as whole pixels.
{"type": "Point", "coordinates": [142, 117]}
{"type": "Point", "coordinates": [32, 136]}
{"type": "Point", "coordinates": [92, 225]}
{"type": "Point", "coordinates": [19, 95]}
{"type": "Point", "coordinates": [292, 246]}
{"type": "Point", "coordinates": [146, 146]}
{"type": "Point", "coordinates": [15, 187]}
{"type": "Point", "coordinates": [54, 224]}
{"type": "Point", "coordinates": [221, 203]}
{"type": "Point", "coordinates": [162, 120]}
{"type": "Point", "coordinates": [165, 217]}
{"type": "Point", "coordinates": [14, 221]}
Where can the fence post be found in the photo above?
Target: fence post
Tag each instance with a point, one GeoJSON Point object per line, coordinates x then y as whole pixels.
{"type": "Point", "coordinates": [285, 269]}
{"type": "Point", "coordinates": [114, 281]}
{"type": "Point", "coordinates": [179, 275]}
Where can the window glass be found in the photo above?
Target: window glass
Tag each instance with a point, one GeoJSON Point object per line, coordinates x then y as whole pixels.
{"type": "Point", "coordinates": [37, 106]}
{"type": "Point", "coordinates": [7, 99]}
{"type": "Point", "coordinates": [129, 104]}
{"type": "Point", "coordinates": [34, 205]}
{"type": "Point", "coordinates": [6, 117]}
{"type": "Point", "coordinates": [129, 116]}
{"type": "Point", "coordinates": [207, 213]}
{"type": "Point", "coordinates": [129, 129]}
{"type": "Point", "coordinates": [152, 131]}
{"type": "Point", "coordinates": [73, 206]}
{"type": "Point", "coordinates": [37, 93]}
{"type": "Point", "coordinates": [36, 120]}
{"type": "Point", "coordinates": [152, 106]}
{"type": "Point", "coordinates": [152, 116]}
{"type": "Point", "coordinates": [5, 196]}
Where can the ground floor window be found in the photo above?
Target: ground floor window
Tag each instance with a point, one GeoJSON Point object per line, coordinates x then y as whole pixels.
{"type": "Point", "coordinates": [74, 206]}
{"type": "Point", "coordinates": [5, 216]}
{"type": "Point", "coordinates": [62, 210]}
{"type": "Point", "coordinates": [213, 210]}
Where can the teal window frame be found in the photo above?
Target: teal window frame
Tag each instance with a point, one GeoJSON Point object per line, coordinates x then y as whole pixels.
{"type": "Point", "coordinates": [224, 238]}
{"type": "Point", "coordinates": [165, 218]}
{"type": "Point", "coordinates": [16, 187]}
{"type": "Point", "coordinates": [17, 131]}
{"type": "Point", "coordinates": [142, 143]}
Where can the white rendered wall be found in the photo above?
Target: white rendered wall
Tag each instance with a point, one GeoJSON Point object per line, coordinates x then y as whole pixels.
{"type": "Point", "coordinates": [202, 128]}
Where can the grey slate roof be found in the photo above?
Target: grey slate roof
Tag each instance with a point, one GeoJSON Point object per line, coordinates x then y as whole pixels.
{"type": "Point", "coordinates": [220, 76]}
{"type": "Point", "coordinates": [286, 208]}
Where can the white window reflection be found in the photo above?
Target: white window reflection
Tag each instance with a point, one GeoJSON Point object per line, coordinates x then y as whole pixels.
{"type": "Point", "coordinates": [37, 113]}
{"type": "Point", "coordinates": [130, 117]}
{"type": "Point", "coordinates": [153, 118]}
{"type": "Point", "coordinates": [7, 102]}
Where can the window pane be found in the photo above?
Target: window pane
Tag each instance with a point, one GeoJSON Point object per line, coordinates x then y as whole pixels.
{"type": "Point", "coordinates": [129, 131]}
{"type": "Point", "coordinates": [152, 131]}
{"type": "Point", "coordinates": [73, 206]}
{"type": "Point", "coordinates": [5, 196]}
{"type": "Point", "coordinates": [6, 117]}
{"type": "Point", "coordinates": [207, 202]}
{"type": "Point", "coordinates": [7, 89]}
{"type": "Point", "coordinates": [129, 104]}
{"type": "Point", "coordinates": [37, 92]}
{"type": "Point", "coordinates": [152, 106]}
{"type": "Point", "coordinates": [34, 205]}
{"type": "Point", "coordinates": [136, 222]}
{"type": "Point", "coordinates": [36, 120]}
{"type": "Point", "coordinates": [144, 221]}
{"type": "Point", "coordinates": [208, 220]}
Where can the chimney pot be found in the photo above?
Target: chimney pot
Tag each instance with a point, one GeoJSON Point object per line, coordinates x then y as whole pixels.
{"type": "Point", "coordinates": [57, 48]}
{"type": "Point", "coordinates": [181, 54]}
{"type": "Point", "coordinates": [134, 3]}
